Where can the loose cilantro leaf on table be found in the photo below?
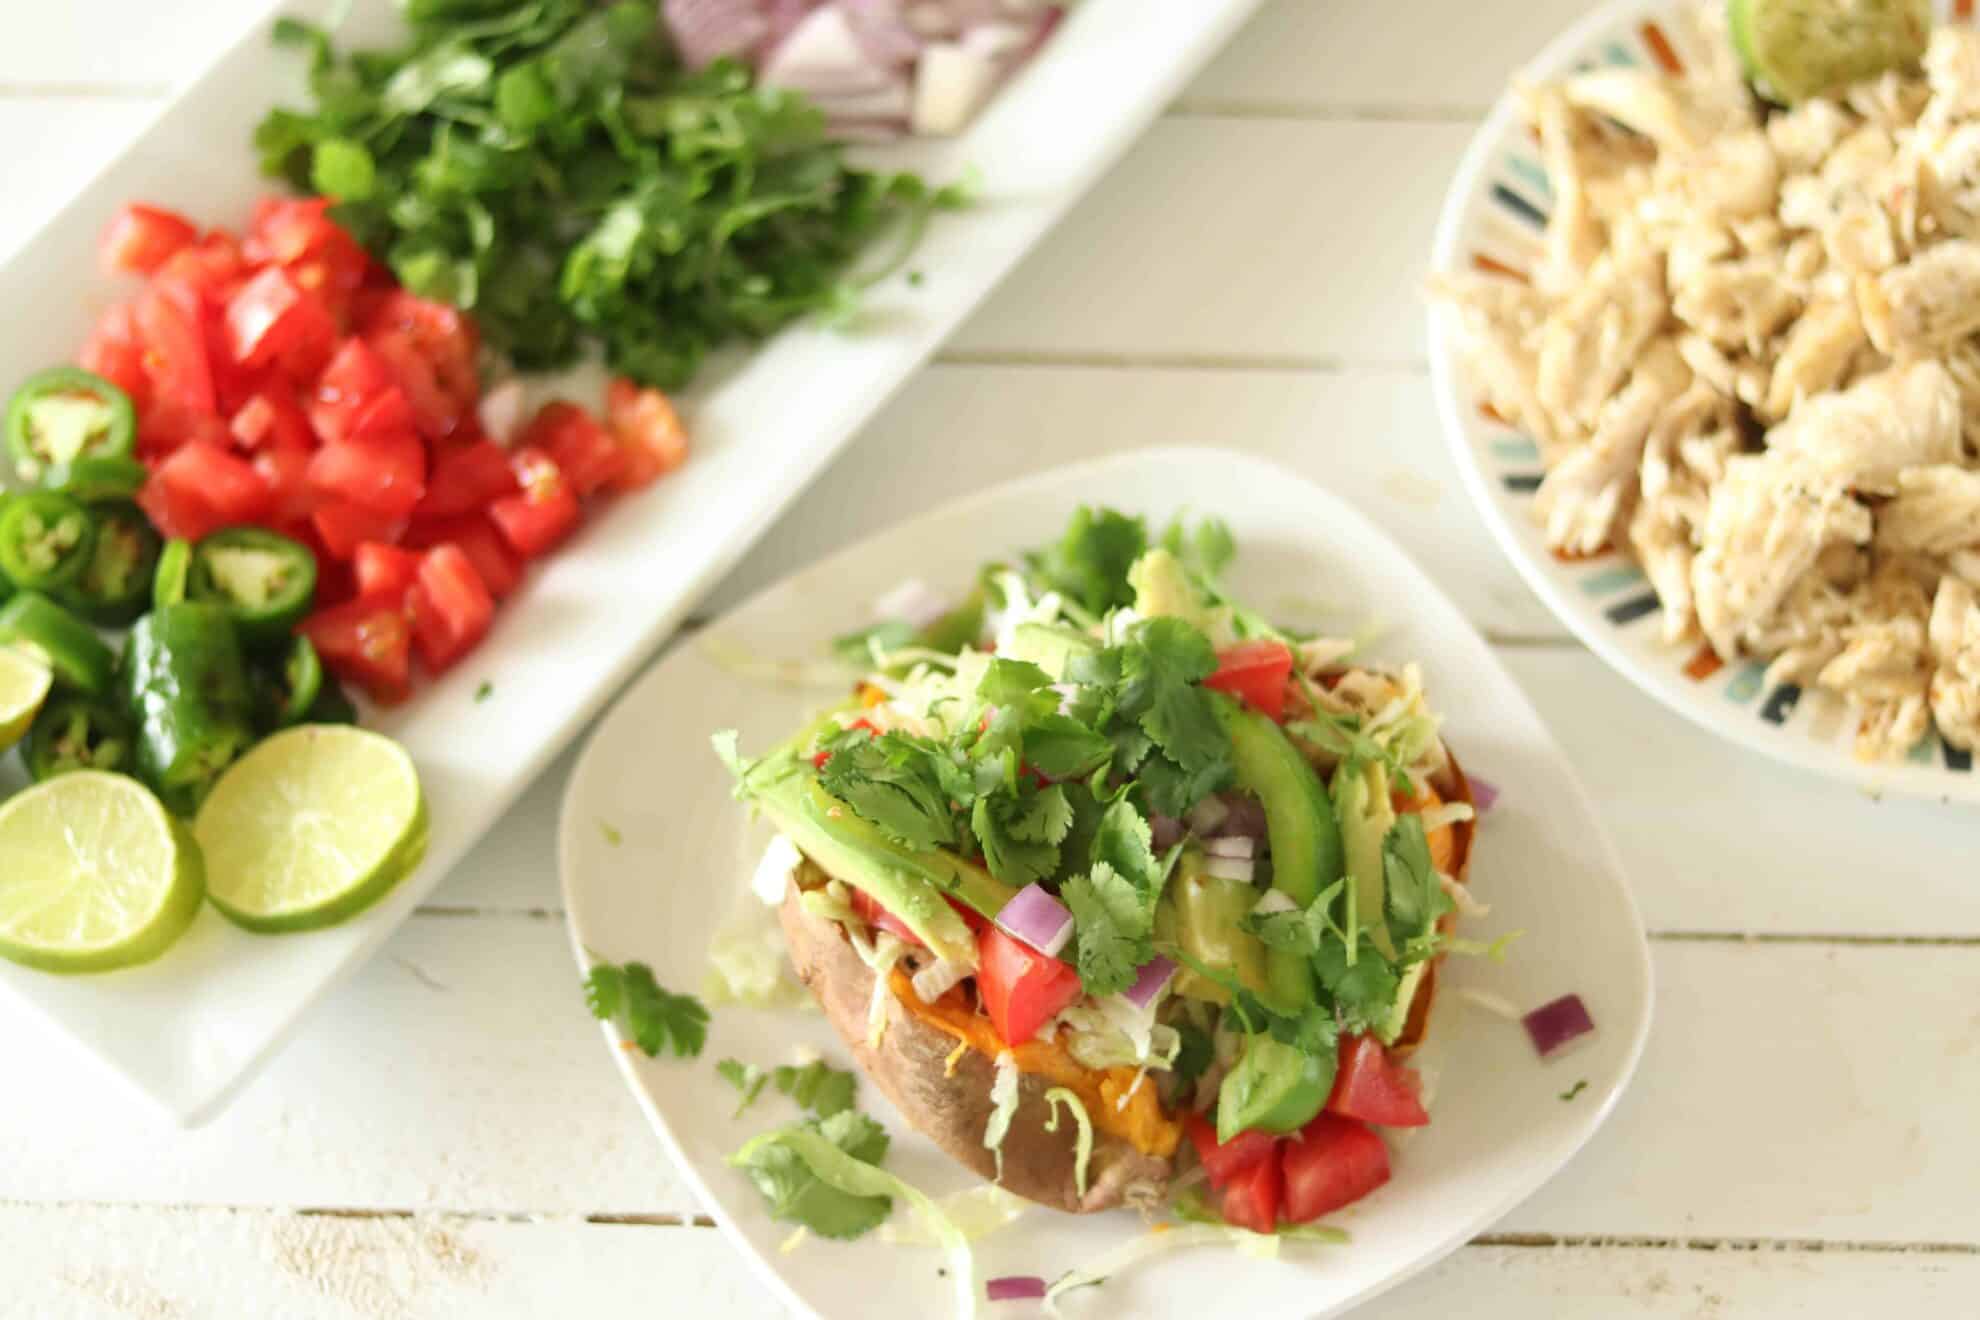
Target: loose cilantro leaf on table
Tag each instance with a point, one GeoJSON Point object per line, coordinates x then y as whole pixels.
{"type": "Point", "coordinates": [817, 1086]}
{"type": "Point", "coordinates": [747, 1078]}
{"type": "Point", "coordinates": [652, 1017]}
{"type": "Point", "coordinates": [796, 1194]}
{"type": "Point", "coordinates": [550, 166]}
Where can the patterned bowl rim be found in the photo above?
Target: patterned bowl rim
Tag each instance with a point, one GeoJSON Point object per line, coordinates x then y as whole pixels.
{"type": "Point", "coordinates": [1500, 467]}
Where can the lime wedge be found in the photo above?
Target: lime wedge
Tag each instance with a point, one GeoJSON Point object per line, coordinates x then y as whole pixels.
{"type": "Point", "coordinates": [24, 684]}
{"type": "Point", "coordinates": [97, 875]}
{"type": "Point", "coordinates": [312, 826]}
{"type": "Point", "coordinates": [1796, 49]}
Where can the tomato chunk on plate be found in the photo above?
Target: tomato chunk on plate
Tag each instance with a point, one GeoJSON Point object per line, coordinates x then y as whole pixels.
{"type": "Point", "coordinates": [466, 477]}
{"type": "Point", "coordinates": [543, 512]}
{"type": "Point", "coordinates": [342, 526]}
{"type": "Point", "coordinates": [386, 474]}
{"type": "Point", "coordinates": [384, 572]}
{"type": "Point", "coordinates": [451, 608]}
{"type": "Point", "coordinates": [494, 562]}
{"type": "Point", "coordinates": [1252, 1198]}
{"type": "Point", "coordinates": [652, 441]}
{"type": "Point", "coordinates": [270, 317]}
{"type": "Point", "coordinates": [1255, 672]}
{"type": "Point", "coordinates": [205, 487]}
{"type": "Point", "coordinates": [1022, 989]}
{"type": "Point", "coordinates": [366, 642]}
{"type": "Point", "coordinates": [1223, 1161]}
{"type": "Point", "coordinates": [1333, 1162]}
{"type": "Point", "coordinates": [583, 450]}
{"type": "Point", "coordinates": [1374, 1088]}
{"type": "Point", "coordinates": [140, 238]}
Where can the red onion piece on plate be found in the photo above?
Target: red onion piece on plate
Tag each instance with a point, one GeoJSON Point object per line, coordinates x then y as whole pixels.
{"type": "Point", "coordinates": [1148, 982]}
{"type": "Point", "coordinates": [1554, 1026]}
{"type": "Point", "coordinates": [1038, 919]}
{"type": "Point", "coordinates": [1483, 793]}
{"type": "Point", "coordinates": [705, 30]}
{"type": "Point", "coordinates": [1015, 1288]}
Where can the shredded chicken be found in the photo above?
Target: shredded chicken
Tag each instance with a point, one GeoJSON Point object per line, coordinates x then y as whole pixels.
{"type": "Point", "coordinates": [1749, 353]}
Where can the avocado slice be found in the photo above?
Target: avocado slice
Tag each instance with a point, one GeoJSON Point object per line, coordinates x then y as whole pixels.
{"type": "Point", "coordinates": [1162, 589]}
{"type": "Point", "coordinates": [1050, 646]}
{"type": "Point", "coordinates": [1306, 841]}
{"type": "Point", "coordinates": [1200, 913]}
{"type": "Point", "coordinates": [1366, 817]}
{"type": "Point", "coordinates": [1398, 1017]}
{"type": "Point", "coordinates": [908, 883]}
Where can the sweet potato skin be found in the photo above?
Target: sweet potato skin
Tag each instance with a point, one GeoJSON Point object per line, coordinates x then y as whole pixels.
{"type": "Point", "coordinates": [910, 1066]}
{"type": "Point", "coordinates": [1454, 787]}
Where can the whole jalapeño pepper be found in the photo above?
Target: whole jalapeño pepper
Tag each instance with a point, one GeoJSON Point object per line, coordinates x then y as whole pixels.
{"type": "Point", "coordinates": [185, 689]}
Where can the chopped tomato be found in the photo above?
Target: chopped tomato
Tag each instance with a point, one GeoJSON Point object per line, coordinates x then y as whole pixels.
{"type": "Point", "coordinates": [652, 441]}
{"type": "Point", "coordinates": [818, 759]}
{"type": "Point", "coordinates": [366, 642]}
{"type": "Point", "coordinates": [1255, 672]}
{"type": "Point", "coordinates": [175, 360]}
{"type": "Point", "coordinates": [140, 238]}
{"type": "Point", "coordinates": [583, 450]}
{"type": "Point", "coordinates": [1223, 1161]}
{"type": "Point", "coordinates": [446, 339]}
{"type": "Point", "coordinates": [283, 466]}
{"type": "Point", "coordinates": [384, 572]}
{"type": "Point", "coordinates": [543, 512]}
{"type": "Point", "coordinates": [496, 564]}
{"type": "Point", "coordinates": [213, 479]}
{"type": "Point", "coordinates": [1252, 1198]}
{"type": "Point", "coordinates": [204, 275]}
{"type": "Point", "coordinates": [1022, 989]}
{"type": "Point", "coordinates": [163, 427]}
{"type": "Point", "coordinates": [1333, 1162]}
{"type": "Point", "coordinates": [386, 474]}
{"type": "Point", "coordinates": [385, 418]}
{"type": "Point", "coordinates": [1373, 1087]}
{"type": "Point", "coordinates": [174, 515]}
{"type": "Point", "coordinates": [354, 377]}
{"type": "Point", "coordinates": [270, 318]}
{"type": "Point", "coordinates": [271, 418]}
{"type": "Point", "coordinates": [466, 477]}
{"type": "Point", "coordinates": [113, 352]}
{"type": "Point", "coordinates": [437, 411]}
{"type": "Point", "coordinates": [343, 526]}
{"type": "Point", "coordinates": [451, 607]}
{"type": "Point", "coordinates": [873, 914]}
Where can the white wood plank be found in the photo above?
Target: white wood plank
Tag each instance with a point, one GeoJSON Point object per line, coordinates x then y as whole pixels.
{"type": "Point", "coordinates": [174, 1264]}
{"type": "Point", "coordinates": [1378, 57]}
{"type": "Point", "coordinates": [458, 1071]}
{"type": "Point", "coordinates": [1371, 436]}
{"type": "Point", "coordinates": [1234, 238]}
{"type": "Point", "coordinates": [1715, 838]}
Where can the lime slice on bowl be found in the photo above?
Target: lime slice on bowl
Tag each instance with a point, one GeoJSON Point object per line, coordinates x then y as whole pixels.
{"type": "Point", "coordinates": [98, 874]}
{"type": "Point", "coordinates": [1796, 49]}
{"type": "Point", "coordinates": [312, 826]}
{"type": "Point", "coordinates": [24, 684]}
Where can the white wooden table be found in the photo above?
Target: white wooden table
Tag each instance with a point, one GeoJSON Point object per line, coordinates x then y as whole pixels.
{"type": "Point", "coordinates": [448, 1137]}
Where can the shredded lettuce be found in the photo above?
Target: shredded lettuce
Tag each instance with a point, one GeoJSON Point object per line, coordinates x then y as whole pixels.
{"type": "Point", "coordinates": [747, 961]}
{"type": "Point", "coordinates": [880, 956]}
{"type": "Point", "coordinates": [1004, 1102]}
{"type": "Point", "coordinates": [772, 877]}
{"type": "Point", "coordinates": [1083, 1151]}
{"type": "Point", "coordinates": [976, 1213]}
{"type": "Point", "coordinates": [1163, 1240]}
{"type": "Point", "coordinates": [1110, 1032]}
{"type": "Point", "coordinates": [855, 1177]}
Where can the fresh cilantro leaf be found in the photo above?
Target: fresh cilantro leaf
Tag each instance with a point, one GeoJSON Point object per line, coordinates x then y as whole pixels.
{"type": "Point", "coordinates": [818, 1087]}
{"type": "Point", "coordinates": [1194, 1054]}
{"type": "Point", "coordinates": [1060, 747]}
{"type": "Point", "coordinates": [1125, 843]}
{"type": "Point", "coordinates": [1015, 683]}
{"type": "Point", "coordinates": [1020, 831]}
{"type": "Point", "coordinates": [1363, 991]}
{"type": "Point", "coordinates": [1089, 564]}
{"type": "Point", "coordinates": [343, 170]}
{"type": "Point", "coordinates": [1575, 1090]}
{"type": "Point", "coordinates": [652, 1017]}
{"type": "Point", "coordinates": [796, 1195]}
{"type": "Point", "coordinates": [747, 1078]}
{"type": "Point", "coordinates": [1414, 896]}
{"type": "Point", "coordinates": [1113, 920]}
{"type": "Point", "coordinates": [899, 782]}
{"type": "Point", "coordinates": [1161, 666]}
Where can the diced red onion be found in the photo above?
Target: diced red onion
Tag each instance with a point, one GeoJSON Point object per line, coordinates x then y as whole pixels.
{"type": "Point", "coordinates": [780, 18]}
{"type": "Point", "coordinates": [822, 57]}
{"type": "Point", "coordinates": [1015, 1288]}
{"type": "Point", "coordinates": [951, 82]}
{"type": "Point", "coordinates": [1207, 815]}
{"type": "Point", "coordinates": [1234, 846]}
{"type": "Point", "coordinates": [996, 41]}
{"type": "Point", "coordinates": [1244, 816]}
{"type": "Point", "coordinates": [937, 979]}
{"type": "Point", "coordinates": [1554, 1026]}
{"type": "Point", "coordinates": [1036, 917]}
{"type": "Point", "coordinates": [883, 30]}
{"type": "Point", "coordinates": [1149, 981]}
{"type": "Point", "coordinates": [1230, 868]}
{"type": "Point", "coordinates": [930, 19]}
{"type": "Point", "coordinates": [1164, 832]}
{"type": "Point", "coordinates": [705, 30]}
{"type": "Point", "coordinates": [1483, 793]}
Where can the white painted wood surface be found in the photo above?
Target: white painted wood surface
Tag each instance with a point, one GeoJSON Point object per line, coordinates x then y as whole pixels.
{"type": "Point", "coordinates": [448, 1138]}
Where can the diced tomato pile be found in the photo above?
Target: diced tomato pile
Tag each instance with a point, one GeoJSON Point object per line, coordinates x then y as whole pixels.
{"type": "Point", "coordinates": [1332, 1162]}
{"type": "Point", "coordinates": [283, 380]}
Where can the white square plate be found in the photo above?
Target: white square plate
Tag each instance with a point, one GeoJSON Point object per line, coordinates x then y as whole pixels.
{"type": "Point", "coordinates": [655, 855]}
{"type": "Point", "coordinates": [188, 1030]}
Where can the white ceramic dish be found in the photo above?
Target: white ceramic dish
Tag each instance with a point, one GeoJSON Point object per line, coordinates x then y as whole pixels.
{"type": "Point", "coordinates": [188, 1030]}
{"type": "Point", "coordinates": [1494, 215]}
{"type": "Point", "coordinates": [655, 854]}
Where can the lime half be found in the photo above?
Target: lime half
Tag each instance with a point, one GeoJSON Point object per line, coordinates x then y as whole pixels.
{"type": "Point", "coordinates": [311, 826]}
{"type": "Point", "coordinates": [98, 874]}
{"type": "Point", "coordinates": [24, 684]}
{"type": "Point", "coordinates": [1801, 48]}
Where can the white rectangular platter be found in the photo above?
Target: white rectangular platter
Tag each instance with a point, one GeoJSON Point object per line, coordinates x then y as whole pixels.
{"type": "Point", "coordinates": [188, 1031]}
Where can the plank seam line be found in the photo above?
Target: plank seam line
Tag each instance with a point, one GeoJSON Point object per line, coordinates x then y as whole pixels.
{"type": "Point", "coordinates": [1816, 938]}
{"type": "Point", "coordinates": [1805, 1246]}
{"type": "Point", "coordinates": [1269, 109]}
{"type": "Point", "coordinates": [1325, 364]}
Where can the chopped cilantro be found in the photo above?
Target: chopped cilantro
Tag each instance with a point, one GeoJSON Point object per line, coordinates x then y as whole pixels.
{"type": "Point", "coordinates": [611, 833]}
{"type": "Point", "coordinates": [651, 1016]}
{"type": "Point", "coordinates": [1575, 1090]}
{"type": "Point", "coordinates": [747, 1078]}
{"type": "Point", "coordinates": [796, 1194]}
{"type": "Point", "coordinates": [1194, 1054]}
{"type": "Point", "coordinates": [817, 1086]}
{"type": "Point", "coordinates": [1414, 895]}
{"type": "Point", "coordinates": [1113, 921]}
{"type": "Point", "coordinates": [485, 691]}
{"type": "Point", "coordinates": [1089, 564]}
